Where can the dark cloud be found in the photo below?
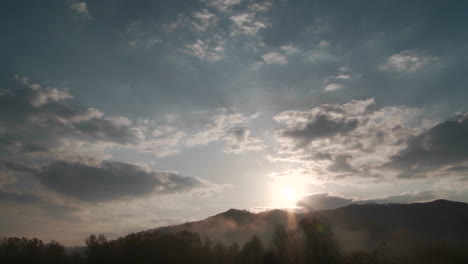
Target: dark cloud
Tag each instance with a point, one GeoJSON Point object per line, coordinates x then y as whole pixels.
{"type": "Point", "coordinates": [359, 140]}
{"type": "Point", "coordinates": [17, 167]}
{"type": "Point", "coordinates": [13, 197]}
{"type": "Point", "coordinates": [341, 164]}
{"type": "Point", "coordinates": [445, 144]}
{"type": "Point", "coordinates": [324, 121]}
{"type": "Point", "coordinates": [348, 139]}
{"type": "Point", "coordinates": [238, 140]}
{"type": "Point", "coordinates": [34, 118]}
{"type": "Point", "coordinates": [111, 180]}
{"type": "Point", "coordinates": [319, 127]}
{"type": "Point", "coordinates": [108, 130]}
{"type": "Point", "coordinates": [324, 201]}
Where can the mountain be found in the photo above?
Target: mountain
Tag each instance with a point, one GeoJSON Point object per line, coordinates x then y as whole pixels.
{"type": "Point", "coordinates": [360, 226]}
{"type": "Point", "coordinates": [429, 233]}
{"type": "Point", "coordinates": [356, 227]}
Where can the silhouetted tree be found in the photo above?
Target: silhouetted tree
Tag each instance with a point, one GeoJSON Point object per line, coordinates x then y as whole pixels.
{"type": "Point", "coordinates": [312, 242]}
{"type": "Point", "coordinates": [252, 252]}
{"type": "Point", "coordinates": [320, 245]}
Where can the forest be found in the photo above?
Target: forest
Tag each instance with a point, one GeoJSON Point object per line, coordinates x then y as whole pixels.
{"type": "Point", "coordinates": [311, 242]}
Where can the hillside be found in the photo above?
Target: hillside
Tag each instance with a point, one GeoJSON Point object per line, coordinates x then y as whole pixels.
{"type": "Point", "coordinates": [434, 232]}
{"type": "Point", "coordinates": [356, 227]}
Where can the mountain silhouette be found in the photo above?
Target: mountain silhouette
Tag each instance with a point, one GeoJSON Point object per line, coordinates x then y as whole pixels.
{"type": "Point", "coordinates": [356, 226]}
{"type": "Point", "coordinates": [433, 232]}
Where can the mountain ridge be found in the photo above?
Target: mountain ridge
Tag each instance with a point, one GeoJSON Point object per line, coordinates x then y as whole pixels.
{"type": "Point", "coordinates": [356, 226]}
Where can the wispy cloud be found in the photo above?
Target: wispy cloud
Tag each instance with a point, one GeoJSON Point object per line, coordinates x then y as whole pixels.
{"type": "Point", "coordinates": [407, 61]}
{"type": "Point", "coordinates": [81, 9]}
{"type": "Point", "coordinates": [333, 87]}
{"type": "Point", "coordinates": [274, 58]}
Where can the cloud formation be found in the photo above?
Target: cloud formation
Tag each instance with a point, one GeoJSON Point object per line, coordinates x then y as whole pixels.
{"type": "Point", "coordinates": [81, 9]}
{"type": "Point", "coordinates": [274, 58]}
{"type": "Point", "coordinates": [228, 125]}
{"type": "Point", "coordinates": [41, 120]}
{"type": "Point", "coordinates": [406, 61]}
{"type": "Point", "coordinates": [442, 148]}
{"type": "Point", "coordinates": [112, 180]}
{"type": "Point", "coordinates": [335, 86]}
{"type": "Point", "coordinates": [14, 197]}
{"type": "Point", "coordinates": [325, 121]}
{"type": "Point", "coordinates": [352, 139]}
{"type": "Point", "coordinates": [38, 119]}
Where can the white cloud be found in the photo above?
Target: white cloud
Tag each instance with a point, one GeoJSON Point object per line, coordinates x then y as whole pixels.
{"type": "Point", "coordinates": [324, 43]}
{"type": "Point", "coordinates": [333, 87]}
{"type": "Point", "coordinates": [50, 127]}
{"type": "Point", "coordinates": [318, 56]}
{"type": "Point", "coordinates": [261, 6]}
{"type": "Point", "coordinates": [351, 139]}
{"type": "Point", "coordinates": [406, 61]}
{"type": "Point", "coordinates": [274, 58]}
{"type": "Point", "coordinates": [289, 49]}
{"type": "Point", "coordinates": [203, 20]}
{"type": "Point", "coordinates": [211, 51]}
{"type": "Point", "coordinates": [230, 126]}
{"type": "Point", "coordinates": [222, 5]}
{"type": "Point", "coordinates": [247, 23]}
{"type": "Point", "coordinates": [42, 95]}
{"type": "Point", "coordinates": [81, 9]}
{"type": "Point", "coordinates": [343, 76]}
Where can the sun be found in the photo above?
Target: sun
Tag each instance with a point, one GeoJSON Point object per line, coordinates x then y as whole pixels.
{"type": "Point", "coordinates": [289, 194]}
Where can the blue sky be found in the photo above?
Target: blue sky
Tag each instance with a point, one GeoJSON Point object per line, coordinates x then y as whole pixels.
{"type": "Point", "coordinates": [119, 116]}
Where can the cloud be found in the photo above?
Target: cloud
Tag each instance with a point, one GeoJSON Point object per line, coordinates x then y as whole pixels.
{"type": "Point", "coordinates": [324, 44]}
{"type": "Point", "coordinates": [248, 23]}
{"type": "Point", "coordinates": [344, 140]}
{"type": "Point", "coordinates": [56, 127]}
{"type": "Point", "coordinates": [12, 197]}
{"type": "Point", "coordinates": [406, 61]}
{"type": "Point", "coordinates": [333, 87]}
{"type": "Point", "coordinates": [81, 9]}
{"type": "Point", "coordinates": [110, 180]}
{"type": "Point", "coordinates": [343, 76]}
{"type": "Point", "coordinates": [38, 120]}
{"type": "Point", "coordinates": [238, 140]}
{"type": "Point", "coordinates": [212, 51]}
{"type": "Point", "coordinates": [204, 19]}
{"type": "Point", "coordinates": [274, 58]}
{"type": "Point", "coordinates": [222, 5]}
{"type": "Point", "coordinates": [289, 49]}
{"type": "Point", "coordinates": [321, 122]}
{"type": "Point", "coordinates": [230, 126]}
{"type": "Point", "coordinates": [443, 147]}
{"type": "Point", "coordinates": [340, 163]}
{"type": "Point", "coordinates": [14, 166]}
{"type": "Point", "coordinates": [319, 55]}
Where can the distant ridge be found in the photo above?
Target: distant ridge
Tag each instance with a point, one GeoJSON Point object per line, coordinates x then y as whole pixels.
{"type": "Point", "coordinates": [356, 225]}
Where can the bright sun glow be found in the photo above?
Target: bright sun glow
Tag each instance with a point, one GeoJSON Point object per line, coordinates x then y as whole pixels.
{"type": "Point", "coordinates": [289, 194]}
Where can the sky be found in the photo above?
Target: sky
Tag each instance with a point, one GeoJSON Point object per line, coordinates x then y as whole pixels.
{"type": "Point", "coordinates": [121, 116]}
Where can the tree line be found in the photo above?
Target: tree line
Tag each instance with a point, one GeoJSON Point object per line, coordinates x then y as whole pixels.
{"type": "Point", "coordinates": [312, 242]}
